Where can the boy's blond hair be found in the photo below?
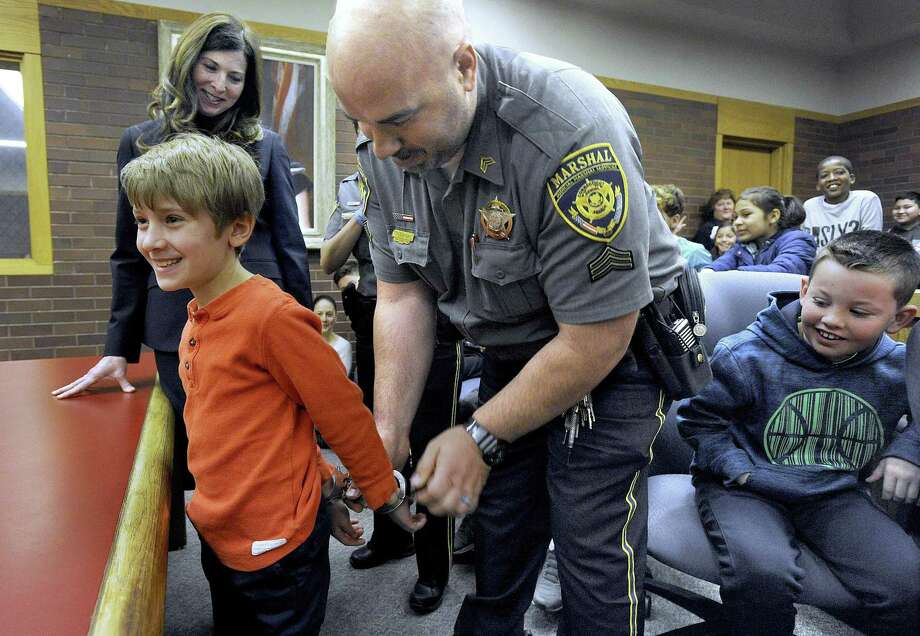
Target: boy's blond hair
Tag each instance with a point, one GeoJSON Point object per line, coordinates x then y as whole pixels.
{"type": "Point", "coordinates": [201, 174]}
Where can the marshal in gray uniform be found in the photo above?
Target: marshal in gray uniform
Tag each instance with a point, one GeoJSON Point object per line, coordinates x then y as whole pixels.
{"type": "Point", "coordinates": [548, 219]}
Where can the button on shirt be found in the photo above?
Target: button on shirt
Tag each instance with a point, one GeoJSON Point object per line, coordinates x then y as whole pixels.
{"type": "Point", "coordinates": [576, 238]}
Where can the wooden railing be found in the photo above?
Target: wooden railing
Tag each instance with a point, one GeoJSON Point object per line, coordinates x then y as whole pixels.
{"type": "Point", "coordinates": [132, 598]}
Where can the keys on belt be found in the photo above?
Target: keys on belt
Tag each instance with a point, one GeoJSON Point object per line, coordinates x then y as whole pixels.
{"type": "Point", "coordinates": [582, 414]}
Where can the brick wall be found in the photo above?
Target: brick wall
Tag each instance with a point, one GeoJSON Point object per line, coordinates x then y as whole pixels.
{"type": "Point", "coordinates": [678, 143]}
{"type": "Point", "coordinates": [885, 151]}
{"type": "Point", "coordinates": [97, 71]}
{"type": "Point", "coordinates": [814, 140]}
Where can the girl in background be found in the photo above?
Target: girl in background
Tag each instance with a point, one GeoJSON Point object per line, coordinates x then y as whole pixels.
{"type": "Point", "coordinates": [768, 236]}
{"type": "Point", "coordinates": [324, 306]}
{"type": "Point", "coordinates": [724, 239]}
{"type": "Point", "coordinates": [212, 86]}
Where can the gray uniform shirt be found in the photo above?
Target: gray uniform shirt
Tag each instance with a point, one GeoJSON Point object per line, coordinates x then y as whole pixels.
{"type": "Point", "coordinates": [351, 198]}
{"type": "Point", "coordinates": [547, 220]}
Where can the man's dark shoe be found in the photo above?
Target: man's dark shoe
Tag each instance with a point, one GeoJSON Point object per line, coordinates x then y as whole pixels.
{"type": "Point", "coordinates": [426, 597]}
{"type": "Point", "coordinates": [367, 557]}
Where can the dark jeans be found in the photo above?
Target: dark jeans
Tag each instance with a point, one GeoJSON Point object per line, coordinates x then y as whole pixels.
{"type": "Point", "coordinates": [287, 597]}
{"type": "Point", "coordinates": [182, 480]}
{"type": "Point", "coordinates": [757, 540]}
{"type": "Point", "coordinates": [591, 498]}
{"type": "Point", "coordinates": [436, 412]}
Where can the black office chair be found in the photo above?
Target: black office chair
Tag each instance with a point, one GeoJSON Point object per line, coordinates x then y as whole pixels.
{"type": "Point", "coordinates": [676, 536]}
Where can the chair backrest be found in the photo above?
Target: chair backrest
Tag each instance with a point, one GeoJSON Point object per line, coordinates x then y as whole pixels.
{"type": "Point", "coordinates": [733, 299]}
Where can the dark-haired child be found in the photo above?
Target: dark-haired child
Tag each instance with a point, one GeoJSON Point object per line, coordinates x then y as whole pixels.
{"type": "Point", "coordinates": [840, 210]}
{"type": "Point", "coordinates": [906, 215]}
{"type": "Point", "coordinates": [768, 238]}
{"type": "Point", "coordinates": [800, 403]}
{"type": "Point", "coordinates": [258, 379]}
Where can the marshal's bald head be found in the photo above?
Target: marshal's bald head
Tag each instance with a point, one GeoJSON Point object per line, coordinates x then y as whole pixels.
{"type": "Point", "coordinates": [405, 71]}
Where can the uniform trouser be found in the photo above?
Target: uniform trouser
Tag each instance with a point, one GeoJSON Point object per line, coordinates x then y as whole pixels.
{"type": "Point", "coordinates": [436, 412]}
{"type": "Point", "coordinates": [168, 369]}
{"type": "Point", "coordinates": [757, 542]}
{"type": "Point", "coordinates": [590, 498]}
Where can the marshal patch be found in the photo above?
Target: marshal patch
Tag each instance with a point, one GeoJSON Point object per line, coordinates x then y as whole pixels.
{"type": "Point", "coordinates": [589, 191]}
{"type": "Point", "coordinates": [609, 260]}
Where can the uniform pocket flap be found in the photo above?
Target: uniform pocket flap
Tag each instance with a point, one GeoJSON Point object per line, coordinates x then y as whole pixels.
{"type": "Point", "coordinates": [502, 264]}
{"type": "Point", "coordinates": [409, 248]}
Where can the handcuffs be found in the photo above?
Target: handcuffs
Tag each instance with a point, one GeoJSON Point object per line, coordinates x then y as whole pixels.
{"type": "Point", "coordinates": [402, 492]}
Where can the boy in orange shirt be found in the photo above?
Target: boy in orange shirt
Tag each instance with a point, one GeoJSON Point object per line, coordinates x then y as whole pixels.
{"type": "Point", "coordinates": [258, 377]}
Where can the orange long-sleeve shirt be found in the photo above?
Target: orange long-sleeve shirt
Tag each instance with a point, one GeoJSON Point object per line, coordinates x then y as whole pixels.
{"type": "Point", "coordinates": [258, 377]}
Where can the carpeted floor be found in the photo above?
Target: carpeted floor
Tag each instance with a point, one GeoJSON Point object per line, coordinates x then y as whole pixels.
{"type": "Point", "coordinates": [374, 602]}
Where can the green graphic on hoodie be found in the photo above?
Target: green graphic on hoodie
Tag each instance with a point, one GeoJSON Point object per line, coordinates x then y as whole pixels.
{"type": "Point", "coordinates": [823, 427]}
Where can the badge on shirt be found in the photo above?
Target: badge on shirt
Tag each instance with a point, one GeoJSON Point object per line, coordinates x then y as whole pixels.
{"type": "Point", "coordinates": [497, 220]}
{"type": "Point", "coordinates": [589, 191]}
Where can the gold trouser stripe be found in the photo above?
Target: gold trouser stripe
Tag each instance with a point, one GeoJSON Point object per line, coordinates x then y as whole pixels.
{"type": "Point", "coordinates": [624, 534]}
{"type": "Point", "coordinates": [455, 397]}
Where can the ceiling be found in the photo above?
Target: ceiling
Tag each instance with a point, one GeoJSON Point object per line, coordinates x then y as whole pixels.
{"type": "Point", "coordinates": [828, 29]}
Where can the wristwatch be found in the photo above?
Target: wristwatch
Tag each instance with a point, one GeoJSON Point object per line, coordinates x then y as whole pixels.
{"type": "Point", "coordinates": [492, 448]}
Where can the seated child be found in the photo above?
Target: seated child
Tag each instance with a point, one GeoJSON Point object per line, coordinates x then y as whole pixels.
{"type": "Point", "coordinates": [800, 402]}
{"type": "Point", "coordinates": [840, 210]}
{"type": "Point", "coordinates": [724, 240]}
{"type": "Point", "coordinates": [670, 200]}
{"type": "Point", "coordinates": [906, 214]}
{"type": "Point", "coordinates": [259, 378]}
{"type": "Point", "coordinates": [768, 239]}
{"type": "Point", "coordinates": [324, 306]}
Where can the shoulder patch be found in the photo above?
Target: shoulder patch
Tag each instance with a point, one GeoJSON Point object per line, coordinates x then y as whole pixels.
{"type": "Point", "coordinates": [589, 191]}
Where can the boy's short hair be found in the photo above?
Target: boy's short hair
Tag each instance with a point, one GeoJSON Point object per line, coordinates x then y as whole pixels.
{"type": "Point", "coordinates": [670, 199]}
{"type": "Point", "coordinates": [348, 268]}
{"type": "Point", "coordinates": [201, 174]}
{"type": "Point", "coordinates": [876, 252]}
{"type": "Point", "coordinates": [846, 164]}
{"type": "Point", "coordinates": [908, 194]}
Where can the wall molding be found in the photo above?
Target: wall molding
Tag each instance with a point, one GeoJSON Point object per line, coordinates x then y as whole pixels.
{"type": "Point", "coordinates": [318, 38]}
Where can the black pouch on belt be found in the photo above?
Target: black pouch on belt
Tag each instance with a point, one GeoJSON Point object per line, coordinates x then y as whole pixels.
{"type": "Point", "coordinates": [669, 335]}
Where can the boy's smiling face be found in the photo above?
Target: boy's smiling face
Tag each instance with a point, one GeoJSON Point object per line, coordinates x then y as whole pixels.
{"type": "Point", "coordinates": [844, 311]}
{"type": "Point", "coordinates": [185, 249]}
{"type": "Point", "coordinates": [905, 212]}
{"type": "Point", "coordinates": [834, 180]}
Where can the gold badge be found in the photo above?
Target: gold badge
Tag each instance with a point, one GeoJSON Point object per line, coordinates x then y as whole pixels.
{"type": "Point", "coordinates": [484, 162]}
{"type": "Point", "coordinates": [496, 219]}
{"type": "Point", "coordinates": [403, 237]}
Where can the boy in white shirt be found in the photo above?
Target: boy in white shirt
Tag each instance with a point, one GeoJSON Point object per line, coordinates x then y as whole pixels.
{"type": "Point", "coordinates": [840, 210]}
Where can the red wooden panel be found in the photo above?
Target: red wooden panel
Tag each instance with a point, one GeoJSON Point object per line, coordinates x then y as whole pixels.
{"type": "Point", "coordinates": [64, 467]}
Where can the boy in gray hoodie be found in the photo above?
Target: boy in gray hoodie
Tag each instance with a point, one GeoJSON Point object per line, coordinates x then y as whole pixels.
{"type": "Point", "coordinates": [801, 402]}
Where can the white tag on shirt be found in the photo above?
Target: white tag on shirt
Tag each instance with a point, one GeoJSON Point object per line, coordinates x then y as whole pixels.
{"type": "Point", "coordinates": [261, 547]}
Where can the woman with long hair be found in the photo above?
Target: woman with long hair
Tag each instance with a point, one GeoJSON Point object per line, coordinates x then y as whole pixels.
{"type": "Point", "coordinates": [212, 86]}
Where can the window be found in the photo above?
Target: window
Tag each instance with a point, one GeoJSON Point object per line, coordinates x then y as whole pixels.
{"type": "Point", "coordinates": [25, 219]}
{"type": "Point", "coordinates": [297, 103]}
{"type": "Point", "coordinates": [15, 239]}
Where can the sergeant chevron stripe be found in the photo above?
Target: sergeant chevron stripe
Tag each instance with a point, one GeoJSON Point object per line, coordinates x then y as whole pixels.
{"type": "Point", "coordinates": [609, 260]}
